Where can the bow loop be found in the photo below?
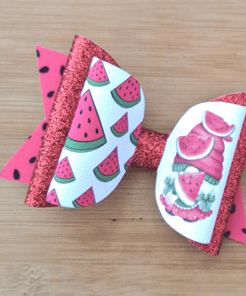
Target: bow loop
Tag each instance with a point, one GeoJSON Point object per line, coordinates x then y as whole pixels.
{"type": "Point", "coordinates": [102, 139]}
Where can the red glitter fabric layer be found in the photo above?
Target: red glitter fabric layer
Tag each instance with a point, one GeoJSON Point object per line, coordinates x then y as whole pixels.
{"type": "Point", "coordinates": [74, 75]}
{"type": "Point", "coordinates": [149, 149]}
{"type": "Point", "coordinates": [149, 152]}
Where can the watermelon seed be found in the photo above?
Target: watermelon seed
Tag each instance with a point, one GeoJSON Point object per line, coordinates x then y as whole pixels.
{"type": "Point", "coordinates": [62, 69]}
{"type": "Point", "coordinates": [16, 174]}
{"type": "Point", "coordinates": [44, 126]}
{"type": "Point", "coordinates": [90, 108]}
{"type": "Point", "coordinates": [132, 85]}
{"type": "Point", "coordinates": [32, 160]}
{"type": "Point", "coordinates": [124, 95]}
{"type": "Point", "coordinates": [79, 125]}
{"type": "Point", "coordinates": [97, 131]}
{"type": "Point", "coordinates": [191, 190]}
{"type": "Point", "coordinates": [191, 176]}
{"type": "Point", "coordinates": [38, 53]}
{"type": "Point", "coordinates": [65, 176]}
{"type": "Point", "coordinates": [85, 99]}
{"type": "Point", "coordinates": [44, 70]}
{"type": "Point", "coordinates": [66, 169]}
{"type": "Point", "coordinates": [127, 87]}
{"type": "Point", "coordinates": [197, 184]}
{"type": "Point", "coordinates": [54, 199]}
{"type": "Point", "coordinates": [52, 193]}
{"type": "Point", "coordinates": [89, 120]}
{"type": "Point", "coordinates": [190, 183]}
{"type": "Point", "coordinates": [85, 135]}
{"type": "Point", "coordinates": [81, 111]}
{"type": "Point", "coordinates": [50, 94]}
{"type": "Point", "coordinates": [120, 88]}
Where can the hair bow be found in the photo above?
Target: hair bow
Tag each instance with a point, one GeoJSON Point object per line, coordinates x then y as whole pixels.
{"type": "Point", "coordinates": [93, 136]}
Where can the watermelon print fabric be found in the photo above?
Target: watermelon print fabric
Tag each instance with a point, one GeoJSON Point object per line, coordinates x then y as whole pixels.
{"type": "Point", "coordinates": [21, 165]}
{"type": "Point", "coordinates": [194, 168]}
{"type": "Point", "coordinates": [102, 138]}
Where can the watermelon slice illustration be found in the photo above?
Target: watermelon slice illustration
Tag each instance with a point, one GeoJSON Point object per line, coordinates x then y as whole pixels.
{"type": "Point", "coordinates": [97, 75]}
{"type": "Point", "coordinates": [109, 168]}
{"type": "Point", "coordinates": [86, 132]}
{"type": "Point", "coordinates": [187, 187]}
{"type": "Point", "coordinates": [216, 125]}
{"type": "Point", "coordinates": [86, 199]}
{"type": "Point", "coordinates": [63, 173]}
{"type": "Point", "coordinates": [127, 94]}
{"type": "Point", "coordinates": [192, 147]}
{"type": "Point", "coordinates": [128, 163]}
{"type": "Point", "coordinates": [135, 134]}
{"type": "Point", "coordinates": [120, 128]}
{"type": "Point", "coordinates": [52, 198]}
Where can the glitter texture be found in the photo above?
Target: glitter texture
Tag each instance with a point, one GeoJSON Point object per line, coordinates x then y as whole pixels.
{"type": "Point", "coordinates": [149, 149]}
{"type": "Point", "coordinates": [61, 117]}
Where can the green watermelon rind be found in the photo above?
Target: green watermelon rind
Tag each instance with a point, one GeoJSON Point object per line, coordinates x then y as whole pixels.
{"type": "Point", "coordinates": [126, 166]}
{"type": "Point", "coordinates": [97, 83]}
{"type": "Point", "coordinates": [180, 167]}
{"type": "Point", "coordinates": [133, 139]}
{"type": "Point", "coordinates": [182, 205]}
{"type": "Point", "coordinates": [62, 180]}
{"type": "Point", "coordinates": [82, 147]}
{"type": "Point", "coordinates": [76, 205]}
{"type": "Point", "coordinates": [104, 178]}
{"type": "Point", "coordinates": [123, 103]}
{"type": "Point", "coordinates": [117, 134]}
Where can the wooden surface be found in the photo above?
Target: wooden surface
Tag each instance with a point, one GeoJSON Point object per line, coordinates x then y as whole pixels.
{"type": "Point", "coordinates": [183, 53]}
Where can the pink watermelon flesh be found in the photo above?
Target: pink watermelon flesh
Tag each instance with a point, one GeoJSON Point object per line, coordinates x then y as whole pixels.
{"type": "Point", "coordinates": [127, 94]}
{"type": "Point", "coordinates": [20, 167]}
{"type": "Point", "coordinates": [135, 134]}
{"type": "Point", "coordinates": [216, 125]}
{"type": "Point", "coordinates": [97, 75]}
{"type": "Point", "coordinates": [86, 132]}
{"type": "Point", "coordinates": [201, 132]}
{"type": "Point", "coordinates": [188, 185]}
{"type": "Point", "coordinates": [109, 168]}
{"type": "Point", "coordinates": [63, 173]}
{"type": "Point", "coordinates": [51, 66]}
{"type": "Point", "coordinates": [190, 215]}
{"type": "Point", "coordinates": [120, 128]}
{"type": "Point", "coordinates": [86, 199]}
{"type": "Point", "coordinates": [193, 148]}
{"type": "Point", "coordinates": [52, 198]}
